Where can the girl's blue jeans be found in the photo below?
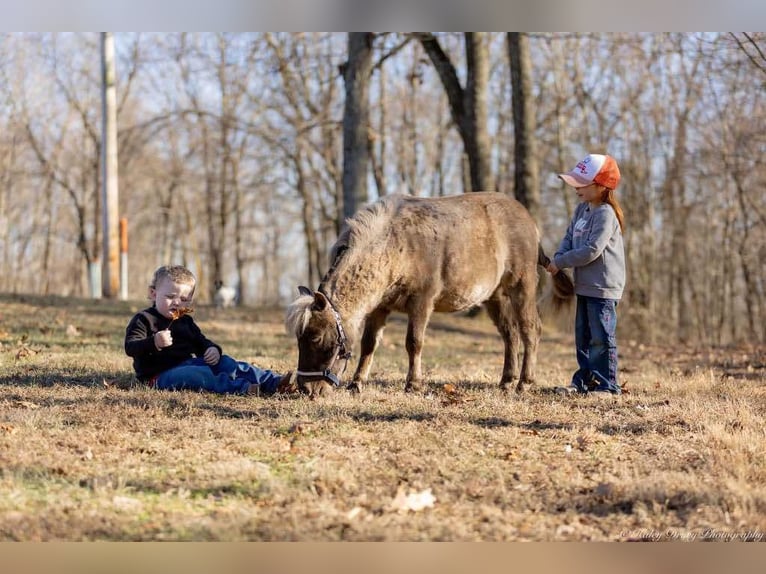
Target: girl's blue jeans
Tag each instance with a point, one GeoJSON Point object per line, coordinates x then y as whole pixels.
{"type": "Point", "coordinates": [228, 376]}
{"type": "Point", "coordinates": [596, 345]}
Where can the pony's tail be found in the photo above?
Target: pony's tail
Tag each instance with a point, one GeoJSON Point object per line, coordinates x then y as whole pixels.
{"type": "Point", "coordinates": [560, 297]}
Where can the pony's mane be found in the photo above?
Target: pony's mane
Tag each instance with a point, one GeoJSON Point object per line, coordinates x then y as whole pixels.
{"type": "Point", "coordinates": [367, 224]}
{"type": "Point", "coordinates": [298, 314]}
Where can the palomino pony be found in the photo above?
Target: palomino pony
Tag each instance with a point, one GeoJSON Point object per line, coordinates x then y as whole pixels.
{"type": "Point", "coordinates": [417, 256]}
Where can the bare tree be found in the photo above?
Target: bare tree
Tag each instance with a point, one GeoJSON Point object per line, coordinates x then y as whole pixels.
{"type": "Point", "coordinates": [307, 104]}
{"type": "Point", "coordinates": [468, 105]}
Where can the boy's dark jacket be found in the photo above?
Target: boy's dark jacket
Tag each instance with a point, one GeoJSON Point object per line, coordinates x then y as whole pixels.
{"type": "Point", "coordinates": [188, 341]}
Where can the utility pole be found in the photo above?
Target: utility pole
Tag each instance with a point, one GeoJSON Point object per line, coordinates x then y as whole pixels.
{"type": "Point", "coordinates": [111, 254]}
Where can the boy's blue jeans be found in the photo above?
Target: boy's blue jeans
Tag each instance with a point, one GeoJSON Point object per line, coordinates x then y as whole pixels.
{"type": "Point", "coordinates": [228, 376]}
{"type": "Point", "coordinates": [596, 345]}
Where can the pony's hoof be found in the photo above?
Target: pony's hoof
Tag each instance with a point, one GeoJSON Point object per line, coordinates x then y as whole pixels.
{"type": "Point", "coordinates": [354, 388]}
{"type": "Point", "coordinates": [413, 387]}
{"type": "Point", "coordinates": [522, 386]}
{"type": "Point", "coordinates": [506, 386]}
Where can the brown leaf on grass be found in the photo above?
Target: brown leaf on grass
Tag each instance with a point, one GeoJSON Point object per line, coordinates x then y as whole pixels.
{"type": "Point", "coordinates": [454, 396]}
{"type": "Point", "coordinates": [511, 454]}
{"type": "Point", "coordinates": [26, 405]}
{"type": "Point", "coordinates": [25, 351]}
{"type": "Point", "coordinates": [297, 428]}
{"type": "Point", "coordinates": [8, 429]}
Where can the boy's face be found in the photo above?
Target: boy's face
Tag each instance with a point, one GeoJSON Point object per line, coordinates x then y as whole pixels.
{"type": "Point", "coordinates": [168, 296]}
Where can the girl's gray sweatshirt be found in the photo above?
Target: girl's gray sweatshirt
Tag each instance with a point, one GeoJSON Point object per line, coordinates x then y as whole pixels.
{"type": "Point", "coordinates": [593, 247]}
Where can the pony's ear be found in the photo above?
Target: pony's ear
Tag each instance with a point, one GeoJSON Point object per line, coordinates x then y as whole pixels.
{"type": "Point", "coordinates": [320, 302]}
{"type": "Point", "coordinates": [304, 290]}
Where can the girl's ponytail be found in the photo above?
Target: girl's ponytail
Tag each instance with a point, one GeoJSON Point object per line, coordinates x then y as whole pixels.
{"type": "Point", "coordinates": [608, 196]}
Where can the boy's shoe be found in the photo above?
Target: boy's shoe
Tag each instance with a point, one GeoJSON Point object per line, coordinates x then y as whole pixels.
{"type": "Point", "coordinates": [289, 383]}
{"type": "Point", "coordinates": [570, 390]}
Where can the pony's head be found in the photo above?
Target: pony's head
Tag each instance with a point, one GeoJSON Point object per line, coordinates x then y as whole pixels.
{"type": "Point", "coordinates": [322, 346]}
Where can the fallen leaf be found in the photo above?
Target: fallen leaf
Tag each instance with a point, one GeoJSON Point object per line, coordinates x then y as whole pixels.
{"type": "Point", "coordinates": [453, 395]}
{"type": "Point", "coordinates": [126, 503]}
{"type": "Point", "coordinates": [414, 501]}
{"type": "Point", "coordinates": [25, 351]}
{"type": "Point", "coordinates": [26, 405]}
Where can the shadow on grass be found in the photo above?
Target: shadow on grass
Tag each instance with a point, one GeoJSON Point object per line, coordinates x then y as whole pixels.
{"type": "Point", "coordinates": [34, 375]}
{"type": "Point", "coordinates": [367, 417]}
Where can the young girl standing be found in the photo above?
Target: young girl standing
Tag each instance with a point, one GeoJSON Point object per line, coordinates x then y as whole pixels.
{"type": "Point", "coordinates": [593, 247]}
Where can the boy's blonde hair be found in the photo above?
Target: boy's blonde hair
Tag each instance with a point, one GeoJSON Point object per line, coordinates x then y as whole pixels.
{"type": "Point", "coordinates": [176, 273]}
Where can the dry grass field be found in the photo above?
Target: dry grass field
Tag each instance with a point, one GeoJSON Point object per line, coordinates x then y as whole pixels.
{"type": "Point", "coordinates": [86, 454]}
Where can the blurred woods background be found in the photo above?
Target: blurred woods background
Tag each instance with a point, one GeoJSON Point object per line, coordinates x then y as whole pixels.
{"type": "Point", "coordinates": [240, 154]}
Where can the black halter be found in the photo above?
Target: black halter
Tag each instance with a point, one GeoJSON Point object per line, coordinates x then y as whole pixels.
{"type": "Point", "coordinates": [341, 351]}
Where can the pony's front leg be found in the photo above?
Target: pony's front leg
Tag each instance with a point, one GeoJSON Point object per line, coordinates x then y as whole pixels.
{"type": "Point", "coordinates": [416, 329]}
{"type": "Point", "coordinates": [373, 333]}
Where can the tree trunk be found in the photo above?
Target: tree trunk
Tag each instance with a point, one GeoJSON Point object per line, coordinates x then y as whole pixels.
{"type": "Point", "coordinates": [526, 180]}
{"type": "Point", "coordinates": [356, 121]}
{"type": "Point", "coordinates": [468, 106]}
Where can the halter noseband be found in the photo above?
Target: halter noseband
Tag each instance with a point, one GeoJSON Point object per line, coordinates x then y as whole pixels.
{"type": "Point", "coordinates": [341, 351]}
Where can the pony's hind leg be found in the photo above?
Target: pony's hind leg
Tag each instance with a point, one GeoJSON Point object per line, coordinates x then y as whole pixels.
{"type": "Point", "coordinates": [528, 320]}
{"type": "Point", "coordinates": [500, 311]}
{"type": "Point", "coordinates": [373, 332]}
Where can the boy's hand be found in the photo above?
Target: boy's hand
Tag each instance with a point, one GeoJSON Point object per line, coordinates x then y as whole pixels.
{"type": "Point", "coordinates": [212, 356]}
{"type": "Point", "coordinates": [163, 339]}
{"type": "Point", "coordinates": [551, 268]}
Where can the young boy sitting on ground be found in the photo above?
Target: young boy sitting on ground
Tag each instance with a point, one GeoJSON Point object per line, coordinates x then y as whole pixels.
{"type": "Point", "coordinates": [170, 352]}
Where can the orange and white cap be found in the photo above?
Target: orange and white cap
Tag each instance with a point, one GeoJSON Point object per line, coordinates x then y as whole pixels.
{"type": "Point", "coordinates": [595, 168]}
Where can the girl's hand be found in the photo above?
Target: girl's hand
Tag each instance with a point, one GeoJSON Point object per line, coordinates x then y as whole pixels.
{"type": "Point", "coordinates": [212, 356]}
{"type": "Point", "coordinates": [163, 339]}
{"type": "Point", "coordinates": [552, 269]}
